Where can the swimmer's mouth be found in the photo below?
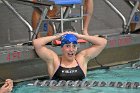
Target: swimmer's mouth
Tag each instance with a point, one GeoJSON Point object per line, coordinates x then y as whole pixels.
{"type": "Point", "coordinates": [70, 54]}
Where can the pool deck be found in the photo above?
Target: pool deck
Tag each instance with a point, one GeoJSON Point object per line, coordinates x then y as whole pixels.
{"type": "Point", "coordinates": [21, 62]}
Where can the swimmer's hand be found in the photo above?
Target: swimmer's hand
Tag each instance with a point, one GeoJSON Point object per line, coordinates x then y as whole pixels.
{"type": "Point", "coordinates": [7, 87]}
{"type": "Point", "coordinates": [74, 33]}
{"type": "Point", "coordinates": [59, 35]}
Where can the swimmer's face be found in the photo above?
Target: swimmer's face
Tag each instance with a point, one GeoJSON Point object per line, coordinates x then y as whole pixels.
{"type": "Point", "coordinates": [69, 51]}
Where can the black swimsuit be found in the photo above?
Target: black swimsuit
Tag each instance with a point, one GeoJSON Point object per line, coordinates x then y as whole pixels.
{"type": "Point", "coordinates": [74, 73]}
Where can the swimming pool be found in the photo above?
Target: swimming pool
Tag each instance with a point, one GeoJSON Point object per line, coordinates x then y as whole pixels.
{"type": "Point", "coordinates": [123, 73]}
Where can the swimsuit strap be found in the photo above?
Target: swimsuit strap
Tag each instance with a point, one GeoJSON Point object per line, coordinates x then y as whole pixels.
{"type": "Point", "coordinates": [77, 62]}
{"type": "Point", "coordinates": [60, 61]}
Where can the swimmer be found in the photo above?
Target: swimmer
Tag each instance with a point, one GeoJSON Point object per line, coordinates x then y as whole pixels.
{"type": "Point", "coordinates": [70, 65]}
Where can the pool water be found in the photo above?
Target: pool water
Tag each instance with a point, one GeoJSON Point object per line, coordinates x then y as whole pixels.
{"type": "Point", "coordinates": [117, 74]}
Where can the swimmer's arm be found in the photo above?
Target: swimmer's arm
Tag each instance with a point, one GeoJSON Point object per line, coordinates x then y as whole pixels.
{"type": "Point", "coordinates": [98, 44]}
{"type": "Point", "coordinates": [40, 47]}
{"type": "Point", "coordinates": [40, 42]}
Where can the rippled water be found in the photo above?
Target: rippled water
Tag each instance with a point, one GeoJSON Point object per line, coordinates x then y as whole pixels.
{"type": "Point", "coordinates": [123, 74]}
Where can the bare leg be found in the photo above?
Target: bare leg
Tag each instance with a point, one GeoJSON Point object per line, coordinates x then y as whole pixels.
{"type": "Point", "coordinates": [88, 9]}
{"type": "Point", "coordinates": [132, 27]}
{"type": "Point", "coordinates": [35, 18]}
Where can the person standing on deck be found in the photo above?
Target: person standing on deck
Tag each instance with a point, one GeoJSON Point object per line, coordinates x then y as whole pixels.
{"type": "Point", "coordinates": [88, 9]}
{"type": "Point", "coordinates": [133, 25]}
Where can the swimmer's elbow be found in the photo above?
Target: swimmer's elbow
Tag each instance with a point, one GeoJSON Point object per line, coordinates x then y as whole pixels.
{"type": "Point", "coordinates": [103, 43]}
{"type": "Point", "coordinates": [36, 43]}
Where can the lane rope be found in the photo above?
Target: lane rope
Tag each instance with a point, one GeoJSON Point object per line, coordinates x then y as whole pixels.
{"type": "Point", "coordinates": [86, 84]}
